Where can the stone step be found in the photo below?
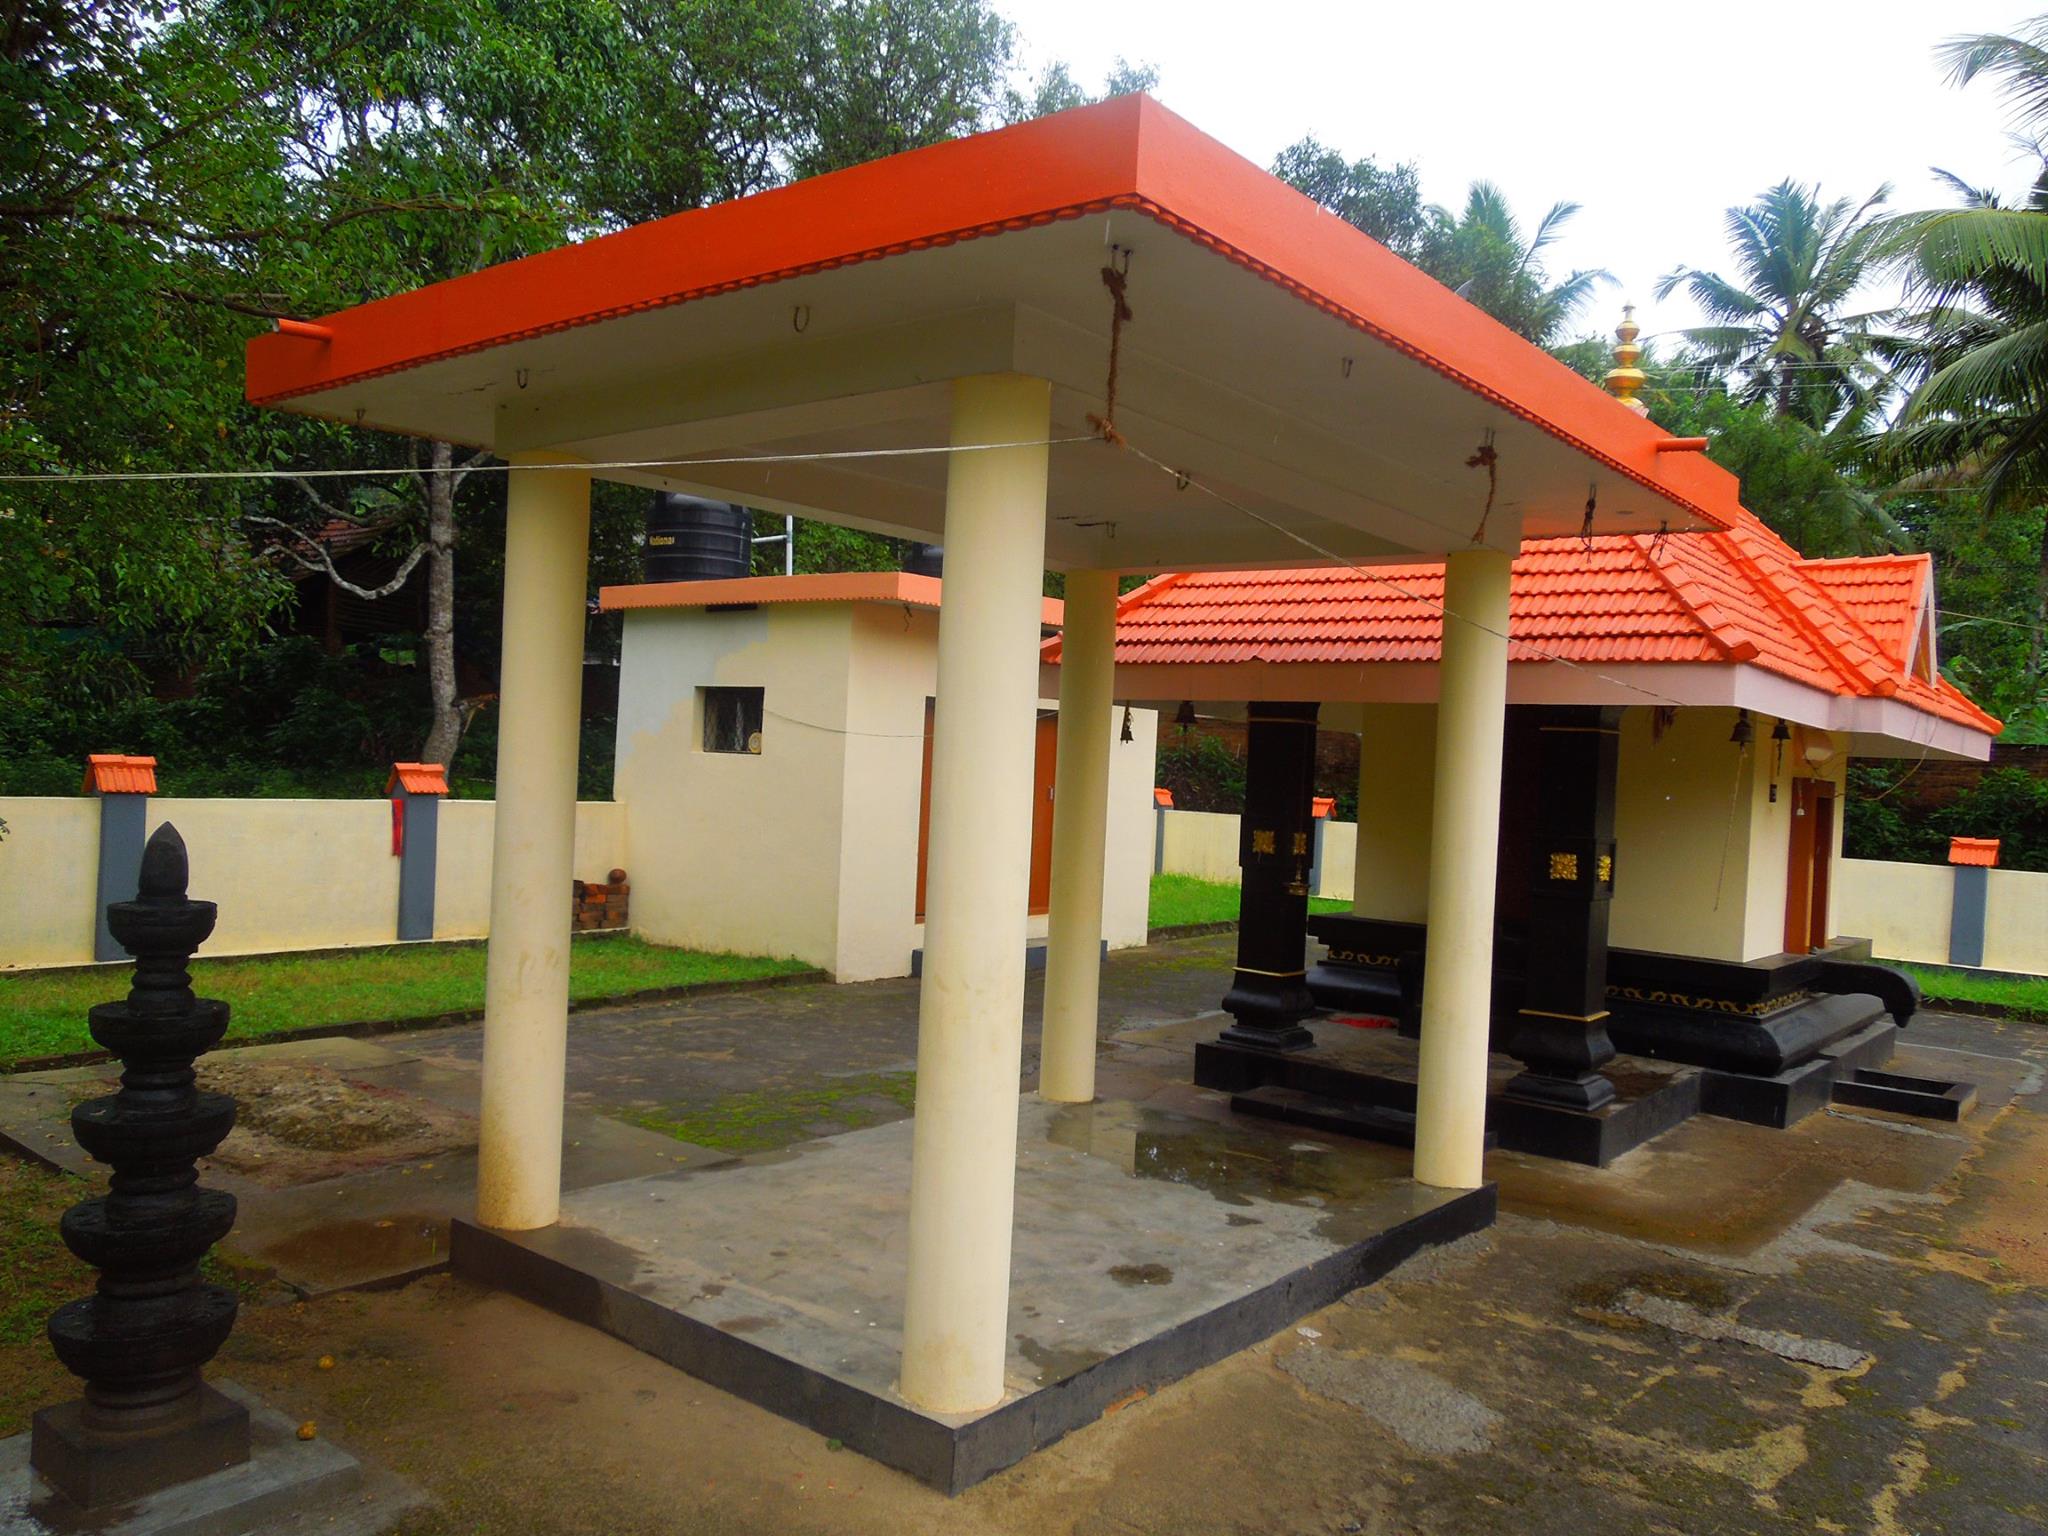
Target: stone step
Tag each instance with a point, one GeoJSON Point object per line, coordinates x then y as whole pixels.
{"type": "Point", "coordinates": [1929, 1098]}
{"type": "Point", "coordinates": [1369, 1122]}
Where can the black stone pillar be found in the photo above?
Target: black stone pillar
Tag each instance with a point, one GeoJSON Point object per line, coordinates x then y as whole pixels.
{"type": "Point", "coordinates": [1269, 995]}
{"type": "Point", "coordinates": [1560, 1035]}
{"type": "Point", "coordinates": [147, 1420]}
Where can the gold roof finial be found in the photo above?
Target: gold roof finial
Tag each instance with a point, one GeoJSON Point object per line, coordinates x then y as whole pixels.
{"type": "Point", "coordinates": [1625, 378]}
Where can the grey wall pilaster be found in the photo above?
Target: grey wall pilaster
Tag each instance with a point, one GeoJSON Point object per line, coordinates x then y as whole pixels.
{"type": "Point", "coordinates": [417, 863]}
{"type": "Point", "coordinates": [123, 822]}
{"type": "Point", "coordinates": [1966, 915]}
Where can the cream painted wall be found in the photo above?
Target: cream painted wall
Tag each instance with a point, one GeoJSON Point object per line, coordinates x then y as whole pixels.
{"type": "Point", "coordinates": [1127, 841]}
{"type": "Point", "coordinates": [1202, 844]}
{"type": "Point", "coordinates": [1682, 836]}
{"type": "Point", "coordinates": [2015, 922]}
{"type": "Point", "coordinates": [1335, 875]}
{"type": "Point", "coordinates": [289, 874]}
{"type": "Point", "coordinates": [730, 850]}
{"type": "Point", "coordinates": [286, 874]}
{"type": "Point", "coordinates": [1396, 798]}
{"type": "Point", "coordinates": [1903, 909]}
{"type": "Point", "coordinates": [462, 866]}
{"type": "Point", "coordinates": [894, 669]}
{"type": "Point", "coordinates": [1770, 841]}
{"type": "Point", "coordinates": [49, 868]}
{"type": "Point", "coordinates": [810, 849]}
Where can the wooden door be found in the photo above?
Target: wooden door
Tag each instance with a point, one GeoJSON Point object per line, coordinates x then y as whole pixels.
{"type": "Point", "coordinates": [1044, 752]}
{"type": "Point", "coordinates": [1808, 870]}
{"type": "Point", "coordinates": [924, 806]}
{"type": "Point", "coordinates": [1823, 863]}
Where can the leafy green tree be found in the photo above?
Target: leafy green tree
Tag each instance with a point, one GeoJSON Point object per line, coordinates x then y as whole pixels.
{"type": "Point", "coordinates": [883, 76]}
{"type": "Point", "coordinates": [1810, 487]}
{"type": "Point", "coordinates": [1056, 89]}
{"type": "Point", "coordinates": [138, 175]}
{"type": "Point", "coordinates": [1481, 253]}
{"type": "Point", "coordinates": [1384, 202]}
{"type": "Point", "coordinates": [1977, 417]}
{"type": "Point", "coordinates": [1782, 323]}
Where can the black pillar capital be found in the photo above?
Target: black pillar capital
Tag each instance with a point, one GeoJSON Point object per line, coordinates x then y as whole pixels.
{"type": "Point", "coordinates": [1269, 994]}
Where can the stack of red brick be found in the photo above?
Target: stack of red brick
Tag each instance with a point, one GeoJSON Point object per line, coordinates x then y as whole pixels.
{"type": "Point", "coordinates": [602, 906]}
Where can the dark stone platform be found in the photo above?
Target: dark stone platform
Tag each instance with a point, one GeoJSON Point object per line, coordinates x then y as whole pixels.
{"type": "Point", "coordinates": [286, 1487]}
{"type": "Point", "coordinates": [1772, 1037]}
{"type": "Point", "coordinates": [1149, 1243]}
{"type": "Point", "coordinates": [1785, 1098]}
{"type": "Point", "coordinates": [1375, 1068]}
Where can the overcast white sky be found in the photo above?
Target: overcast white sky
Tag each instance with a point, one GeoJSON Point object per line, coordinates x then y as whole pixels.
{"type": "Point", "coordinates": [1655, 117]}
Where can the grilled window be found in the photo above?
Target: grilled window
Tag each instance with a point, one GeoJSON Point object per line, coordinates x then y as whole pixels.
{"type": "Point", "coordinates": [732, 720]}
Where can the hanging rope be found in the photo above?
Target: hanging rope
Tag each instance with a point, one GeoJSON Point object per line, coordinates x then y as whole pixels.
{"type": "Point", "coordinates": [1487, 458]}
{"type": "Point", "coordinates": [1116, 278]}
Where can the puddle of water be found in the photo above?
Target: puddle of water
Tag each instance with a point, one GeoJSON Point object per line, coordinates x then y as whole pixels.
{"type": "Point", "coordinates": [1141, 1274]}
{"type": "Point", "coordinates": [350, 1252]}
{"type": "Point", "coordinates": [1055, 1363]}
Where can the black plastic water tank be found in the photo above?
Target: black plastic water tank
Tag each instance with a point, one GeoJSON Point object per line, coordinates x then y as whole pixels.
{"type": "Point", "coordinates": [691, 539]}
{"type": "Point", "coordinates": [924, 559]}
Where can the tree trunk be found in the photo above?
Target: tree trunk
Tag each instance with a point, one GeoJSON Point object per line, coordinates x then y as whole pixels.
{"type": "Point", "coordinates": [446, 733]}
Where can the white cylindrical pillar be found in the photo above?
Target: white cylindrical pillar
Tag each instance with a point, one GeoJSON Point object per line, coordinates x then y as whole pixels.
{"type": "Point", "coordinates": [526, 976]}
{"type": "Point", "coordinates": [970, 1026]}
{"type": "Point", "coordinates": [1080, 821]}
{"type": "Point", "coordinates": [1457, 984]}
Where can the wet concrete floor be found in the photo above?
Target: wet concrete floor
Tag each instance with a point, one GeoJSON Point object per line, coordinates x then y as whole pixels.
{"type": "Point", "coordinates": [1629, 1350]}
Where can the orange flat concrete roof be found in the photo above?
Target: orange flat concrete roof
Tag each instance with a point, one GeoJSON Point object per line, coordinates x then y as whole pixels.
{"type": "Point", "coordinates": [893, 587]}
{"type": "Point", "coordinates": [1275, 353]}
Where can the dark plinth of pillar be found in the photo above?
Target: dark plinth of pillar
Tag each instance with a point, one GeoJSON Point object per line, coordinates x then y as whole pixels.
{"type": "Point", "coordinates": [1560, 1034]}
{"type": "Point", "coordinates": [1269, 994]}
{"type": "Point", "coordinates": [147, 1421]}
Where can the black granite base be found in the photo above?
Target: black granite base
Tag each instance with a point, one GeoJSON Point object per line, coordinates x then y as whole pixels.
{"type": "Point", "coordinates": [1925, 1097]}
{"type": "Point", "coordinates": [1783, 1099]}
{"type": "Point", "coordinates": [1645, 1107]}
{"type": "Point", "coordinates": [91, 1472]}
{"type": "Point", "coordinates": [1650, 1100]}
{"type": "Point", "coordinates": [949, 1453]}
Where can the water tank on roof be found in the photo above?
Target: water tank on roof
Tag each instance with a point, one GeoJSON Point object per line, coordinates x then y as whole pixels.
{"type": "Point", "coordinates": [924, 559]}
{"type": "Point", "coordinates": [691, 539]}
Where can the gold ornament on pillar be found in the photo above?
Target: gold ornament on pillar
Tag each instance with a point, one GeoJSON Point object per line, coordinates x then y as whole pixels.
{"type": "Point", "coordinates": [1625, 378]}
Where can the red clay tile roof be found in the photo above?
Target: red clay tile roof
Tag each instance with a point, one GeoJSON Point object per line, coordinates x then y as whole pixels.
{"type": "Point", "coordinates": [1883, 593]}
{"type": "Point", "coordinates": [112, 773]}
{"type": "Point", "coordinates": [1743, 595]}
{"type": "Point", "coordinates": [1981, 852]}
{"type": "Point", "coordinates": [418, 778]}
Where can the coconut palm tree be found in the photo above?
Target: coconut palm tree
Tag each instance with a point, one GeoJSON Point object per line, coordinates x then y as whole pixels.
{"type": "Point", "coordinates": [1977, 290]}
{"type": "Point", "coordinates": [1481, 253]}
{"type": "Point", "coordinates": [1781, 323]}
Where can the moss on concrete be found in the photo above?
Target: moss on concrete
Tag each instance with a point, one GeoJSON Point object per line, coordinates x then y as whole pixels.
{"type": "Point", "coordinates": [768, 1119]}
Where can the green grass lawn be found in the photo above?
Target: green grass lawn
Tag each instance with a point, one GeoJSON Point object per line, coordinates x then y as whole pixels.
{"type": "Point", "coordinates": [44, 1015]}
{"type": "Point", "coordinates": [2026, 996]}
{"type": "Point", "coordinates": [1179, 900]}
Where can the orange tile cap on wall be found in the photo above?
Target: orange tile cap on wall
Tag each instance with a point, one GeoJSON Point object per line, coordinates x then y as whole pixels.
{"type": "Point", "coordinates": [116, 773]}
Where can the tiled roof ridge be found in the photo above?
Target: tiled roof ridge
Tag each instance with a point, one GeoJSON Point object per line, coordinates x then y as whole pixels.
{"type": "Point", "coordinates": [1797, 600]}
{"type": "Point", "coordinates": [1724, 633]}
{"type": "Point", "coordinates": [1818, 570]}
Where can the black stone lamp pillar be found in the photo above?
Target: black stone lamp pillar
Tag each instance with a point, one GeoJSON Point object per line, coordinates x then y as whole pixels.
{"type": "Point", "coordinates": [1560, 1035]}
{"type": "Point", "coordinates": [147, 1420]}
{"type": "Point", "coordinates": [1269, 995]}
